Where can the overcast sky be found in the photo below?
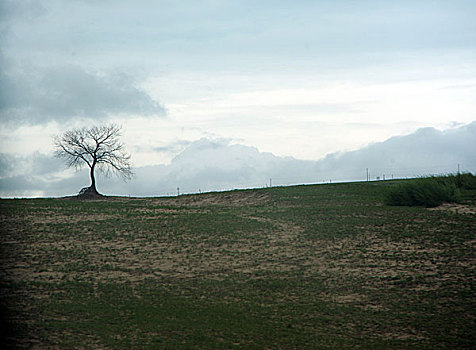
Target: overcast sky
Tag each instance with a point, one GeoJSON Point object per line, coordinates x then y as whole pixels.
{"type": "Point", "coordinates": [295, 78]}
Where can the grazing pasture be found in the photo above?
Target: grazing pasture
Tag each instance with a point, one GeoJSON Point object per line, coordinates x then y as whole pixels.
{"type": "Point", "coordinates": [303, 267]}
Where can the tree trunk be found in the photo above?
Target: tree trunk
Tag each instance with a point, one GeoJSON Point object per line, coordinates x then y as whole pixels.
{"type": "Point", "coordinates": [93, 180]}
{"type": "Point", "coordinates": [91, 191]}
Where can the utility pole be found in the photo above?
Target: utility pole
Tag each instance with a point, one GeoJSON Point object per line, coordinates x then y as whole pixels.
{"type": "Point", "coordinates": [178, 191]}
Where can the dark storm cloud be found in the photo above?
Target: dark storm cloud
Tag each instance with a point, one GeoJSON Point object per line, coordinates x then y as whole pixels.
{"type": "Point", "coordinates": [33, 186]}
{"type": "Point", "coordinates": [36, 164]}
{"type": "Point", "coordinates": [6, 165]}
{"type": "Point", "coordinates": [13, 10]}
{"type": "Point", "coordinates": [27, 175]}
{"type": "Point", "coordinates": [35, 89]}
{"type": "Point", "coordinates": [34, 96]}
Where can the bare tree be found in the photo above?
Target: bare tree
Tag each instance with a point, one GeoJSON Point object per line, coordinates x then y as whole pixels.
{"type": "Point", "coordinates": [99, 148]}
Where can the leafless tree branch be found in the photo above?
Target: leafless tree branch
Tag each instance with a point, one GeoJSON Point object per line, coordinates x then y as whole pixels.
{"type": "Point", "coordinates": [97, 147]}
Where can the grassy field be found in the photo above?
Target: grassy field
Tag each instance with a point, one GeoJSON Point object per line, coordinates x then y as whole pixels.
{"type": "Point", "coordinates": [305, 267]}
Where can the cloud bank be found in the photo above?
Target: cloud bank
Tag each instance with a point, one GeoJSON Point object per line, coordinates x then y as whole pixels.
{"type": "Point", "coordinates": [211, 165]}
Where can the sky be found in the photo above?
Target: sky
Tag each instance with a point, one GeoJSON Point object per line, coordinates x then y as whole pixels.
{"type": "Point", "coordinates": [301, 79]}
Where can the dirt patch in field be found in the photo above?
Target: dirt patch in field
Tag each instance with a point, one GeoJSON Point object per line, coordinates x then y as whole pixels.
{"type": "Point", "coordinates": [347, 298]}
{"type": "Point", "coordinates": [238, 198]}
{"type": "Point", "coordinates": [403, 335]}
{"type": "Point", "coordinates": [60, 219]}
{"type": "Point", "coordinates": [457, 208]}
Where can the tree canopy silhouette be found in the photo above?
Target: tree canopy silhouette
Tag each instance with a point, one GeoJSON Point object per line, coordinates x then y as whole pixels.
{"type": "Point", "coordinates": [98, 147]}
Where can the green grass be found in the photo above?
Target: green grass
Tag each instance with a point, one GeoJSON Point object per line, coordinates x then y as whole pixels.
{"type": "Point", "coordinates": [303, 267]}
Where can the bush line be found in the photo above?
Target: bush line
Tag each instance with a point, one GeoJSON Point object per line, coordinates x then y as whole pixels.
{"type": "Point", "coordinates": [431, 191]}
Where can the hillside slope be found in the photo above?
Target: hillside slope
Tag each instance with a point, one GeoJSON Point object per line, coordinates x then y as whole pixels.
{"type": "Point", "coordinates": [322, 266]}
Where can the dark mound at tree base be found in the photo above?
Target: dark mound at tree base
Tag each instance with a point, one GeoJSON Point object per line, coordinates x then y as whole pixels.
{"type": "Point", "coordinates": [89, 193]}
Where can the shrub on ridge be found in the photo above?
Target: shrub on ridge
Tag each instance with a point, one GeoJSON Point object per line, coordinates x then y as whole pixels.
{"type": "Point", "coordinates": [430, 191]}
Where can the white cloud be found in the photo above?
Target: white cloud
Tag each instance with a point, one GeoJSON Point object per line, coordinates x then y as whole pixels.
{"type": "Point", "coordinates": [323, 116]}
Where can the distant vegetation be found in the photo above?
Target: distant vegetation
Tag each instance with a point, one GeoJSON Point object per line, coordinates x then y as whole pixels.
{"type": "Point", "coordinates": [432, 191]}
